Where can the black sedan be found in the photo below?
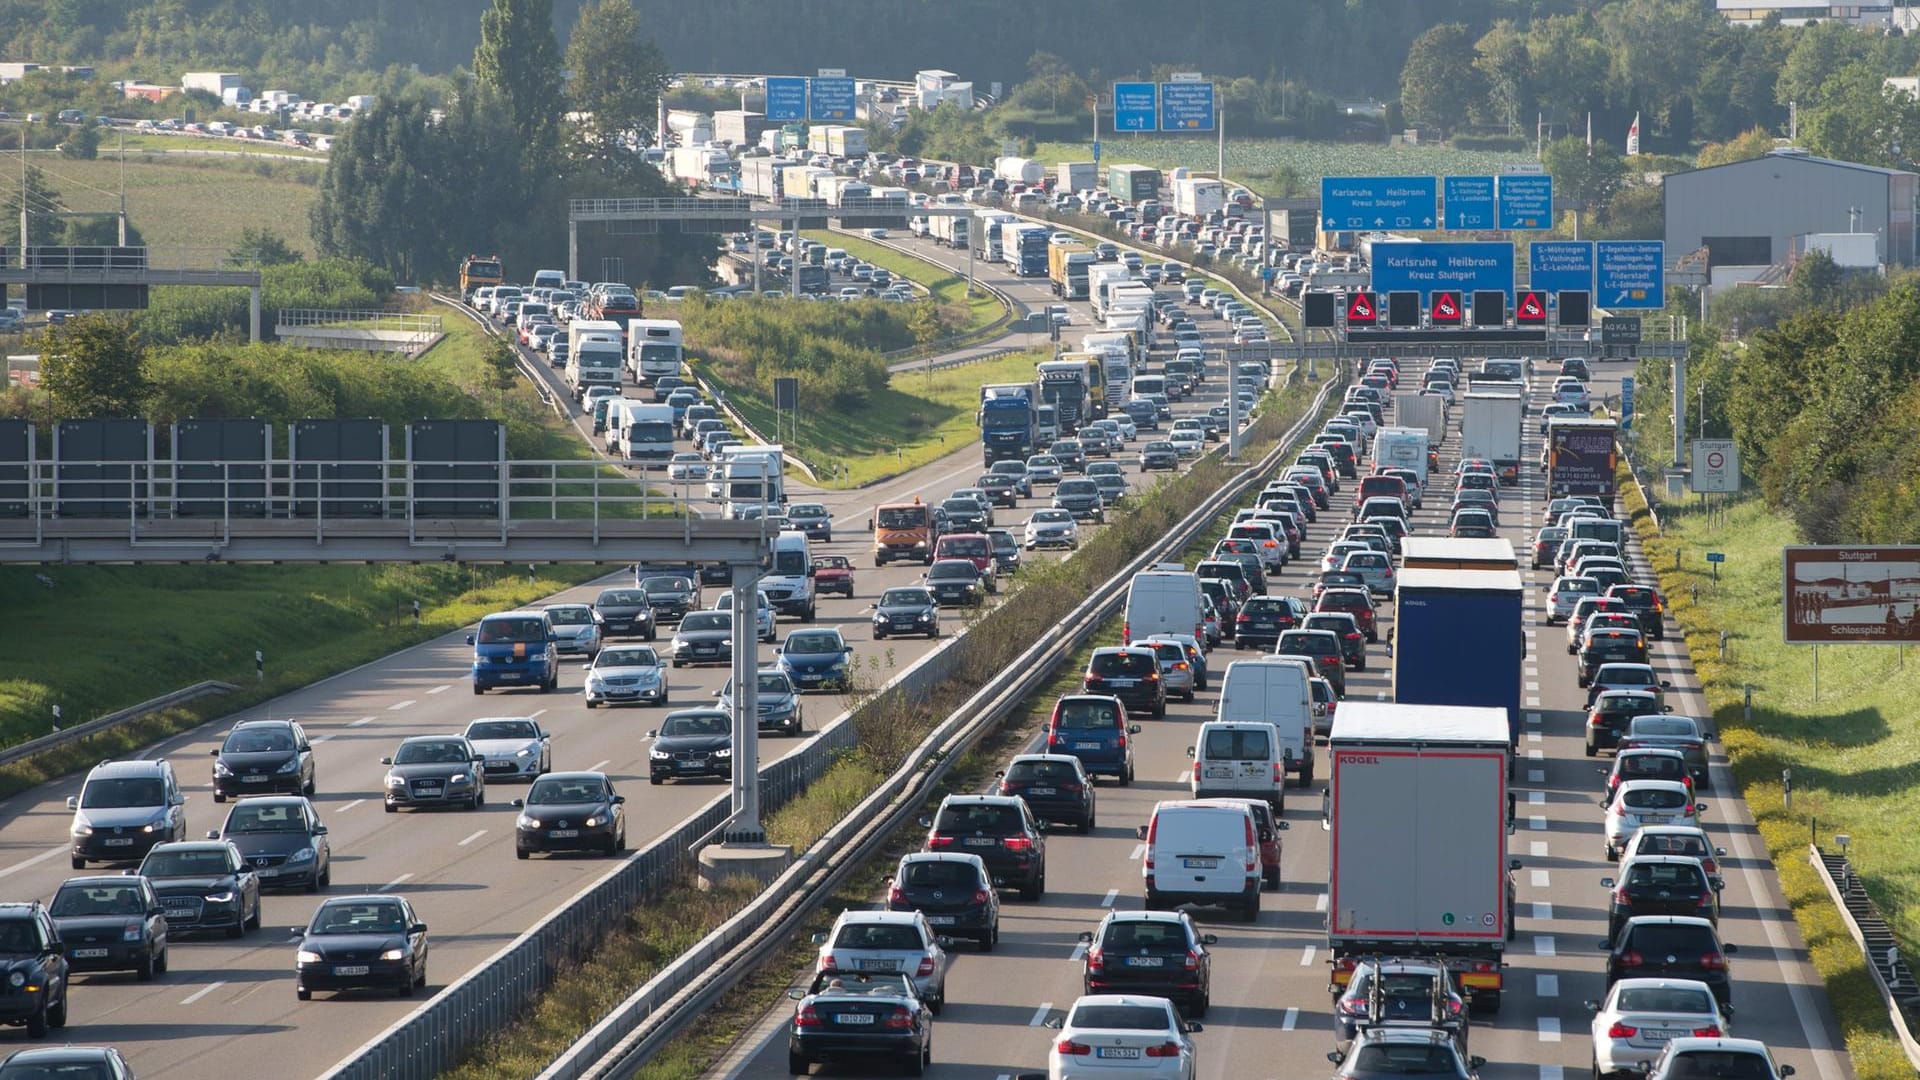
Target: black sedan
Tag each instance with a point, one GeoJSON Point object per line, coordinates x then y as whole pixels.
{"type": "Point", "coordinates": [1056, 786]}
{"type": "Point", "coordinates": [1404, 1054]}
{"type": "Point", "coordinates": [906, 610]}
{"type": "Point", "coordinates": [860, 1016]}
{"type": "Point", "coordinates": [625, 612]}
{"type": "Point", "coordinates": [704, 637]}
{"type": "Point", "coordinates": [571, 811]}
{"type": "Point", "coordinates": [670, 595]}
{"type": "Point", "coordinates": [953, 890]}
{"type": "Point", "coordinates": [204, 885]}
{"type": "Point", "coordinates": [691, 743]}
{"type": "Point", "coordinates": [435, 770]}
{"type": "Point", "coordinates": [282, 840]}
{"type": "Point", "coordinates": [111, 924]}
{"type": "Point", "coordinates": [1000, 488]}
{"type": "Point", "coordinates": [956, 583]}
{"type": "Point", "coordinates": [361, 942]}
{"type": "Point", "coordinates": [260, 757]}
{"type": "Point", "coordinates": [1150, 952]}
{"type": "Point", "coordinates": [965, 515]}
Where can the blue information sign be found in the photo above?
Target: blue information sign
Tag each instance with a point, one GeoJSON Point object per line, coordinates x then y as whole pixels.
{"type": "Point", "coordinates": [1716, 556]}
{"type": "Point", "coordinates": [831, 100]}
{"type": "Point", "coordinates": [1630, 274]}
{"type": "Point", "coordinates": [786, 99]}
{"type": "Point", "coordinates": [1557, 266]}
{"type": "Point", "coordinates": [1429, 267]}
{"type": "Point", "coordinates": [1135, 107]}
{"type": "Point", "coordinates": [1469, 202]}
{"type": "Point", "coordinates": [1526, 201]}
{"type": "Point", "coordinates": [1379, 202]}
{"type": "Point", "coordinates": [1186, 106]}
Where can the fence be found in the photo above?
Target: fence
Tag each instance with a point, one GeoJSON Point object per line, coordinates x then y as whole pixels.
{"type": "Point", "coordinates": [1899, 992]}
{"type": "Point", "coordinates": [113, 719]}
{"type": "Point", "coordinates": [390, 331]}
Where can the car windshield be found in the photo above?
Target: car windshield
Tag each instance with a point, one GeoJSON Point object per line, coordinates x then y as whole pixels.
{"type": "Point", "coordinates": [17, 937]}
{"type": "Point", "coordinates": [903, 517]}
{"type": "Point", "coordinates": [569, 789]}
{"type": "Point", "coordinates": [1042, 772]}
{"type": "Point", "coordinates": [1051, 517]}
{"type": "Point", "coordinates": [966, 547]}
{"type": "Point", "coordinates": [903, 598]}
{"type": "Point", "coordinates": [503, 631]}
{"type": "Point", "coordinates": [359, 918]}
{"type": "Point", "coordinates": [627, 657]}
{"type": "Point", "coordinates": [848, 983]}
{"type": "Point", "coordinates": [814, 643]}
{"type": "Point", "coordinates": [503, 729]}
{"type": "Point", "coordinates": [1630, 675]}
{"type": "Point", "coordinates": [1662, 725]}
{"type": "Point", "coordinates": [1692, 845]}
{"type": "Point", "coordinates": [1651, 766]}
{"type": "Point", "coordinates": [116, 793]}
{"type": "Point", "coordinates": [773, 682]}
{"type": "Point", "coordinates": [1148, 935]}
{"type": "Point", "coordinates": [1654, 799]}
{"type": "Point", "coordinates": [196, 862]}
{"type": "Point", "coordinates": [436, 752]}
{"type": "Point", "coordinates": [1087, 713]}
{"type": "Point", "coordinates": [258, 741]}
{"type": "Point", "coordinates": [1120, 1017]}
{"type": "Point", "coordinates": [1237, 744]}
{"type": "Point", "coordinates": [940, 872]}
{"type": "Point", "coordinates": [713, 723]}
{"type": "Point", "coordinates": [570, 616]}
{"type": "Point", "coordinates": [621, 598]}
{"type": "Point", "coordinates": [1718, 1065]}
{"type": "Point", "coordinates": [665, 585]}
{"type": "Point", "coordinates": [1123, 664]}
{"type": "Point", "coordinates": [254, 817]}
{"type": "Point", "coordinates": [1665, 876]}
{"type": "Point", "coordinates": [797, 511]}
{"type": "Point", "coordinates": [1670, 939]}
{"type": "Point", "coordinates": [896, 937]}
{"type": "Point", "coordinates": [980, 819]}
{"type": "Point", "coordinates": [114, 899]}
{"type": "Point", "coordinates": [1386, 1059]}
{"type": "Point", "coordinates": [707, 620]}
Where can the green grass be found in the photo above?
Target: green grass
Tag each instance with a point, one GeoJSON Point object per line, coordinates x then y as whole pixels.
{"type": "Point", "coordinates": [917, 419]}
{"type": "Point", "coordinates": [949, 288]}
{"type": "Point", "coordinates": [194, 205]}
{"type": "Point", "coordinates": [1854, 751]}
{"type": "Point", "coordinates": [1267, 165]}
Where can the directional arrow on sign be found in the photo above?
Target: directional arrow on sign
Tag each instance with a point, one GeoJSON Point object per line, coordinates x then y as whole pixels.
{"type": "Point", "coordinates": [1379, 221]}
{"type": "Point", "coordinates": [1622, 298]}
{"type": "Point", "coordinates": [1428, 221]}
{"type": "Point", "coordinates": [1330, 223]}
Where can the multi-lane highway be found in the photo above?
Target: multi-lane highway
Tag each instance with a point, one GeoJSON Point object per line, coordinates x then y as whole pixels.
{"type": "Point", "coordinates": [230, 1004]}
{"type": "Point", "coordinates": [1270, 1015]}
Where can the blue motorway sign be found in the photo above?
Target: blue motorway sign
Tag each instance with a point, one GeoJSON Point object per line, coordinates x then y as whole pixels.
{"type": "Point", "coordinates": [831, 100]}
{"type": "Point", "coordinates": [1468, 202]}
{"type": "Point", "coordinates": [1526, 201]}
{"type": "Point", "coordinates": [1135, 107]}
{"type": "Point", "coordinates": [1423, 267]}
{"type": "Point", "coordinates": [786, 99]}
{"type": "Point", "coordinates": [1379, 202]}
{"type": "Point", "coordinates": [1630, 274]}
{"type": "Point", "coordinates": [1186, 106]}
{"type": "Point", "coordinates": [1557, 266]}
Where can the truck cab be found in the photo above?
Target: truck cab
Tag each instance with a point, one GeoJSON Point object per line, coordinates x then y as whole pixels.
{"type": "Point", "coordinates": [903, 531]}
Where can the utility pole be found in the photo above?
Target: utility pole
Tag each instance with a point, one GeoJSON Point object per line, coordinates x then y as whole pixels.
{"type": "Point", "coordinates": [123, 189]}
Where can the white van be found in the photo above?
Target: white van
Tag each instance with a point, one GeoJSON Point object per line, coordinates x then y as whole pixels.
{"type": "Point", "coordinates": [788, 582]}
{"type": "Point", "coordinates": [1238, 759]}
{"type": "Point", "coordinates": [646, 432]}
{"type": "Point", "coordinates": [619, 412]}
{"type": "Point", "coordinates": [1277, 691]}
{"type": "Point", "coordinates": [1202, 853]}
{"type": "Point", "coordinates": [1164, 600]}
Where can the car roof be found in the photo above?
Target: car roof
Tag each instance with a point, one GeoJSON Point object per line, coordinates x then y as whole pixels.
{"type": "Point", "coordinates": [59, 1055]}
{"type": "Point", "coordinates": [262, 724]}
{"type": "Point", "coordinates": [1669, 920]}
{"type": "Point", "coordinates": [1661, 858]}
{"type": "Point", "coordinates": [982, 800]}
{"type": "Point", "coordinates": [1178, 918]}
{"type": "Point", "coordinates": [112, 769]}
{"type": "Point", "coordinates": [578, 774]}
{"type": "Point", "coordinates": [897, 918]}
{"type": "Point", "coordinates": [944, 856]}
{"type": "Point", "coordinates": [1653, 785]}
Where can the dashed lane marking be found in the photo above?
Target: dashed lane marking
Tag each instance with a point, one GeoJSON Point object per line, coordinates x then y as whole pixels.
{"type": "Point", "coordinates": [1546, 986]}
{"type": "Point", "coordinates": [398, 705]}
{"type": "Point", "coordinates": [1112, 895]}
{"type": "Point", "coordinates": [362, 722]}
{"type": "Point", "coordinates": [441, 689]}
{"type": "Point", "coordinates": [1541, 879]}
{"type": "Point", "coordinates": [1543, 945]}
{"type": "Point", "coordinates": [1040, 1014]}
{"type": "Point", "coordinates": [396, 882]}
{"type": "Point", "coordinates": [1292, 1017]}
{"type": "Point", "coordinates": [1549, 1029]}
{"type": "Point", "coordinates": [477, 834]}
{"type": "Point", "coordinates": [348, 806]}
{"type": "Point", "coordinates": [1306, 956]}
{"type": "Point", "coordinates": [203, 992]}
{"type": "Point", "coordinates": [1542, 911]}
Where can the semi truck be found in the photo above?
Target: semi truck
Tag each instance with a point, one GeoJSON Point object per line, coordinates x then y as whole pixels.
{"type": "Point", "coordinates": [1121, 357]}
{"type": "Point", "coordinates": [1102, 279]}
{"type": "Point", "coordinates": [700, 166]}
{"type": "Point", "coordinates": [1199, 196]}
{"type": "Point", "coordinates": [1490, 431]}
{"type": "Point", "coordinates": [595, 355]}
{"type": "Point", "coordinates": [1133, 183]}
{"type": "Point", "coordinates": [1009, 421]}
{"type": "Point", "coordinates": [1402, 448]}
{"type": "Point", "coordinates": [1024, 248]}
{"type": "Point", "coordinates": [739, 126]}
{"type": "Point", "coordinates": [837, 140]}
{"type": "Point", "coordinates": [1419, 815]}
{"type": "Point", "coordinates": [1459, 640]}
{"type": "Point", "coordinates": [1076, 176]}
{"type": "Point", "coordinates": [1067, 266]}
{"type": "Point", "coordinates": [1425, 411]}
{"type": "Point", "coordinates": [953, 231]}
{"type": "Point", "coordinates": [1581, 457]}
{"type": "Point", "coordinates": [1456, 553]}
{"type": "Point", "coordinates": [764, 177]}
{"type": "Point", "coordinates": [691, 127]}
{"type": "Point", "coordinates": [1063, 385]}
{"type": "Point", "coordinates": [989, 238]}
{"type": "Point", "coordinates": [1019, 170]}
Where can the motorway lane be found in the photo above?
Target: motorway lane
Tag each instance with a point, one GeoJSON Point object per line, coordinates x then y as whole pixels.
{"type": "Point", "coordinates": [1271, 1015]}
{"type": "Point", "coordinates": [231, 1000]}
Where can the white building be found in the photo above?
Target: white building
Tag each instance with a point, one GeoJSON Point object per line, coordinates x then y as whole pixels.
{"type": "Point", "coordinates": [1873, 14]}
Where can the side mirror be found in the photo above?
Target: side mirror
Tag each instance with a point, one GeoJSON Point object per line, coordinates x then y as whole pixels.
{"type": "Point", "coordinates": [1700, 807]}
{"type": "Point", "coordinates": [1710, 736]}
{"type": "Point", "coordinates": [944, 941]}
{"type": "Point", "coordinates": [1720, 851]}
{"type": "Point", "coordinates": [1140, 832]}
{"type": "Point", "coordinates": [73, 802]}
{"type": "Point", "coordinates": [797, 994]}
{"type": "Point", "coordinates": [586, 667]}
{"type": "Point", "coordinates": [818, 939]}
{"type": "Point", "coordinates": [1666, 684]}
{"type": "Point", "coordinates": [777, 648]}
{"type": "Point", "coordinates": [1054, 1022]}
{"type": "Point", "coordinates": [1592, 1006]}
{"type": "Point", "coordinates": [1133, 729]}
{"type": "Point", "coordinates": [1335, 1057]}
{"type": "Point", "coordinates": [1666, 708]}
{"type": "Point", "coordinates": [716, 693]}
{"type": "Point", "coordinates": [1730, 948]}
{"type": "Point", "coordinates": [1189, 751]}
{"type": "Point", "coordinates": [1282, 826]}
{"type": "Point", "coordinates": [518, 804]}
{"type": "Point", "coordinates": [1606, 883]}
{"type": "Point", "coordinates": [386, 761]}
{"type": "Point", "coordinates": [319, 830]}
{"type": "Point", "coordinates": [1476, 1062]}
{"type": "Point", "coordinates": [469, 639]}
{"type": "Point", "coordinates": [478, 758]}
{"type": "Point", "coordinates": [1194, 1026]}
{"type": "Point", "coordinates": [1786, 1071]}
{"type": "Point", "coordinates": [926, 822]}
{"type": "Point", "coordinates": [417, 928]}
{"type": "Point", "coordinates": [1603, 946]}
{"type": "Point", "coordinates": [1043, 824]}
{"type": "Point", "coordinates": [654, 734]}
{"type": "Point", "coordinates": [214, 752]}
{"type": "Point", "coordinates": [1513, 864]}
{"type": "Point", "coordinates": [213, 834]}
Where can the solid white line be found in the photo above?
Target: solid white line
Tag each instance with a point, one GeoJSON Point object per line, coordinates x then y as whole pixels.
{"type": "Point", "coordinates": [598, 765]}
{"type": "Point", "coordinates": [1320, 902]}
{"type": "Point", "coordinates": [50, 853]}
{"type": "Point", "coordinates": [1537, 849]}
{"type": "Point", "coordinates": [398, 705]}
{"type": "Point", "coordinates": [1546, 986]}
{"type": "Point", "coordinates": [362, 722]}
{"type": "Point", "coordinates": [1542, 911]}
{"type": "Point", "coordinates": [1112, 895]}
{"type": "Point", "coordinates": [1181, 776]}
{"type": "Point", "coordinates": [202, 992]}
{"type": "Point", "coordinates": [477, 834]}
{"type": "Point", "coordinates": [1306, 956]}
{"type": "Point", "coordinates": [1549, 1029]}
{"type": "Point", "coordinates": [1040, 1014]}
{"type": "Point", "coordinates": [1543, 945]}
{"type": "Point", "coordinates": [396, 882]}
{"type": "Point", "coordinates": [1287, 1022]}
{"type": "Point", "coordinates": [348, 806]}
{"type": "Point", "coordinates": [441, 689]}
{"type": "Point", "coordinates": [1079, 951]}
{"type": "Point", "coordinates": [1139, 850]}
{"type": "Point", "coordinates": [535, 714]}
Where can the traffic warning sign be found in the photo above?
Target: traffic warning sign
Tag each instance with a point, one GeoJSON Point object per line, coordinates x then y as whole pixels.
{"type": "Point", "coordinates": [1362, 309]}
{"type": "Point", "coordinates": [1531, 310]}
{"type": "Point", "coordinates": [1444, 307]}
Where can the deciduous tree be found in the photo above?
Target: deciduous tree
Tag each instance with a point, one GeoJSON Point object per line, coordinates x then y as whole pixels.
{"type": "Point", "coordinates": [93, 366]}
{"type": "Point", "coordinates": [1439, 84]}
{"type": "Point", "coordinates": [615, 78]}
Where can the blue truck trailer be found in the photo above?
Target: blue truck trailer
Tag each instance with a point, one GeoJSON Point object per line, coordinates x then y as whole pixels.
{"type": "Point", "coordinates": [1009, 415]}
{"type": "Point", "coordinates": [1459, 639]}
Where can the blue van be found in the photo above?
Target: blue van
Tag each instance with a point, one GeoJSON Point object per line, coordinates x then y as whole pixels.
{"type": "Point", "coordinates": [515, 648]}
{"type": "Point", "coordinates": [1093, 728]}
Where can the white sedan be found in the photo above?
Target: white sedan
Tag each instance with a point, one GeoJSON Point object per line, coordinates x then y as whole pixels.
{"type": "Point", "coordinates": [687, 466]}
{"type": "Point", "coordinates": [1122, 1035]}
{"type": "Point", "coordinates": [1640, 1016]}
{"type": "Point", "coordinates": [1639, 803]}
{"type": "Point", "coordinates": [1051, 528]}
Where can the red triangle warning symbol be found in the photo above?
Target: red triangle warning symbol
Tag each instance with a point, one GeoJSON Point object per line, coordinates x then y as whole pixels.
{"type": "Point", "coordinates": [1360, 308]}
{"type": "Point", "coordinates": [1531, 308]}
{"type": "Point", "coordinates": [1443, 308]}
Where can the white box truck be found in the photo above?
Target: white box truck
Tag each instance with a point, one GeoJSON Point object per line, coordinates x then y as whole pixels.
{"type": "Point", "coordinates": [595, 355]}
{"type": "Point", "coordinates": [1427, 412]}
{"type": "Point", "coordinates": [1076, 176]}
{"type": "Point", "coordinates": [1490, 430]}
{"type": "Point", "coordinates": [1198, 196]}
{"type": "Point", "coordinates": [1402, 448]}
{"type": "Point", "coordinates": [1420, 812]}
{"type": "Point", "coordinates": [950, 230]}
{"type": "Point", "coordinates": [750, 478]}
{"type": "Point", "coordinates": [655, 348]}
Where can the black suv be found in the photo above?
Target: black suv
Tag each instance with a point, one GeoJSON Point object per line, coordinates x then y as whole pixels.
{"type": "Point", "coordinates": [263, 757]}
{"type": "Point", "coordinates": [1612, 712]}
{"type": "Point", "coordinates": [627, 612]}
{"type": "Point", "coordinates": [1132, 675]}
{"type": "Point", "coordinates": [1263, 619]}
{"type": "Point", "coordinates": [34, 993]}
{"type": "Point", "coordinates": [1671, 947]}
{"type": "Point", "coordinates": [1322, 648]}
{"type": "Point", "coordinates": [1660, 885]}
{"type": "Point", "coordinates": [1055, 786]}
{"type": "Point", "coordinates": [1150, 952]}
{"type": "Point", "coordinates": [953, 889]}
{"type": "Point", "coordinates": [1645, 604]}
{"type": "Point", "coordinates": [1610, 646]}
{"type": "Point", "coordinates": [1002, 831]}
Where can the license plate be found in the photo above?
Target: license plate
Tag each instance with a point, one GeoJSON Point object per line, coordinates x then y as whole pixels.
{"type": "Point", "coordinates": [562, 834]}
{"type": "Point", "coordinates": [427, 789]}
{"type": "Point", "coordinates": [1121, 682]}
{"type": "Point", "coordinates": [1128, 1053]}
{"type": "Point", "coordinates": [704, 648]}
{"type": "Point", "coordinates": [268, 871]}
{"type": "Point", "coordinates": [1219, 772]}
{"type": "Point", "coordinates": [253, 779]}
{"type": "Point", "coordinates": [1086, 746]}
{"type": "Point", "coordinates": [981, 841]}
{"type": "Point", "coordinates": [940, 920]}
{"type": "Point", "coordinates": [512, 676]}
{"type": "Point", "coordinates": [1200, 864]}
{"type": "Point", "coordinates": [853, 1018]}
{"type": "Point", "coordinates": [693, 764]}
{"type": "Point", "coordinates": [119, 841]}
{"type": "Point", "coordinates": [1656, 1034]}
{"type": "Point", "coordinates": [1146, 961]}
{"type": "Point", "coordinates": [1043, 791]}
{"type": "Point", "coordinates": [349, 969]}
{"type": "Point", "coordinates": [879, 965]}
{"type": "Point", "coordinates": [88, 954]}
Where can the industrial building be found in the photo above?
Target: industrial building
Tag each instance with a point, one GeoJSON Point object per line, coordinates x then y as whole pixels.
{"type": "Point", "coordinates": [1870, 14]}
{"type": "Point", "coordinates": [1757, 213]}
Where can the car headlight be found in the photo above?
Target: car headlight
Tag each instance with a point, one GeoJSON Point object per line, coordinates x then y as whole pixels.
{"type": "Point", "coordinates": [394, 780]}
{"type": "Point", "coordinates": [919, 543]}
{"type": "Point", "coordinates": [223, 897]}
{"type": "Point", "coordinates": [220, 769]}
{"type": "Point", "coordinates": [292, 766]}
{"type": "Point", "coordinates": [523, 752]}
{"type": "Point", "coordinates": [926, 616]}
{"type": "Point", "coordinates": [306, 956]}
{"type": "Point", "coordinates": [461, 778]}
{"type": "Point", "coordinates": [839, 666]}
{"type": "Point", "coordinates": [724, 752]}
{"type": "Point", "coordinates": [659, 755]}
{"type": "Point", "coordinates": [305, 854]}
{"type": "Point", "coordinates": [595, 821]}
{"type": "Point", "coordinates": [594, 685]}
{"type": "Point", "coordinates": [394, 954]}
{"type": "Point", "coordinates": [17, 979]}
{"type": "Point", "coordinates": [525, 822]}
{"type": "Point", "coordinates": [133, 932]}
{"type": "Point", "coordinates": [81, 828]}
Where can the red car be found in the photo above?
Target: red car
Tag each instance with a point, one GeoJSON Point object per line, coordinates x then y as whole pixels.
{"type": "Point", "coordinates": [1355, 602]}
{"type": "Point", "coordinates": [833, 574]}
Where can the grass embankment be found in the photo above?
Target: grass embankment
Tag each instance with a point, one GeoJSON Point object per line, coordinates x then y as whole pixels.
{"type": "Point", "coordinates": [110, 144]}
{"type": "Point", "coordinates": [189, 203]}
{"type": "Point", "coordinates": [948, 287]}
{"type": "Point", "coordinates": [1854, 751]}
{"type": "Point", "coordinates": [918, 418]}
{"type": "Point", "coordinates": [889, 727]}
{"type": "Point", "coordinates": [1283, 166]}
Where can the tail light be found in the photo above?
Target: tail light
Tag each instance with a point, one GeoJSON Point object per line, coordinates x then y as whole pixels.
{"type": "Point", "coordinates": [1071, 1048]}
{"type": "Point", "coordinates": [1126, 631]}
{"type": "Point", "coordinates": [1096, 961]}
{"type": "Point", "coordinates": [1180, 665]}
{"type": "Point", "coordinates": [1347, 963]}
{"type": "Point", "coordinates": [1243, 619]}
{"type": "Point", "coordinates": [939, 843]}
{"type": "Point", "coordinates": [1622, 897]}
{"type": "Point", "coordinates": [898, 1020]}
{"type": "Point", "coordinates": [1707, 863]}
{"type": "Point", "coordinates": [1713, 961]}
{"type": "Point", "coordinates": [1193, 960]}
{"type": "Point", "coordinates": [1482, 967]}
{"type": "Point", "coordinates": [1120, 744]}
{"type": "Point", "coordinates": [1053, 738]}
{"type": "Point", "coordinates": [1353, 1006]}
{"type": "Point", "coordinates": [1622, 1031]}
{"type": "Point", "coordinates": [1153, 831]}
{"type": "Point", "coordinates": [807, 1017]}
{"type": "Point", "coordinates": [1632, 958]}
{"type": "Point", "coordinates": [1706, 900]}
{"type": "Point", "coordinates": [1017, 843]}
{"type": "Point", "coordinates": [1154, 677]}
{"type": "Point", "coordinates": [1075, 788]}
{"type": "Point", "coordinates": [1164, 1050]}
{"type": "Point", "coordinates": [1253, 841]}
{"type": "Point", "coordinates": [1279, 773]}
{"type": "Point", "coordinates": [925, 968]}
{"type": "Point", "coordinates": [981, 896]}
{"type": "Point", "coordinates": [1355, 636]}
{"type": "Point", "coordinates": [895, 896]}
{"type": "Point", "coordinates": [1711, 1031]}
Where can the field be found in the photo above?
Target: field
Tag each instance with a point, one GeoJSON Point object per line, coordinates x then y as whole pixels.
{"type": "Point", "coordinates": [947, 287]}
{"type": "Point", "coordinates": [110, 142]}
{"type": "Point", "coordinates": [917, 419]}
{"type": "Point", "coordinates": [1854, 750]}
{"type": "Point", "coordinates": [191, 208]}
{"type": "Point", "coordinates": [1271, 166]}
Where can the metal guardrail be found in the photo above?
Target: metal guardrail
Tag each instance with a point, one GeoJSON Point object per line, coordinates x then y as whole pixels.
{"type": "Point", "coordinates": [520, 362]}
{"type": "Point", "coordinates": [355, 317]}
{"type": "Point", "coordinates": [98, 724]}
{"type": "Point", "coordinates": [1891, 975]}
{"type": "Point", "coordinates": [661, 1008]}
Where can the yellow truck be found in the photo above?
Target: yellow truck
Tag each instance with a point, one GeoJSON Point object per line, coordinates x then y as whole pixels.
{"type": "Point", "coordinates": [1067, 269]}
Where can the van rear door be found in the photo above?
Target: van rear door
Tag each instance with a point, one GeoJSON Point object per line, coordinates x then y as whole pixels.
{"type": "Point", "coordinates": [1194, 850]}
